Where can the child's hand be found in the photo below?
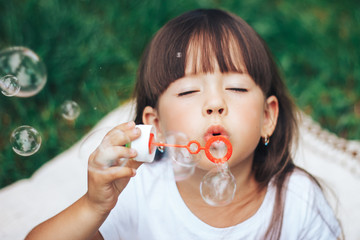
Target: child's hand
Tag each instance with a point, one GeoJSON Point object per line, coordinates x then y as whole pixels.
{"type": "Point", "coordinates": [105, 184]}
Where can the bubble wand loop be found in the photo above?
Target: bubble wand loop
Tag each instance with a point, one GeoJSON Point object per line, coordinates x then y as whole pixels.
{"type": "Point", "coordinates": [194, 147]}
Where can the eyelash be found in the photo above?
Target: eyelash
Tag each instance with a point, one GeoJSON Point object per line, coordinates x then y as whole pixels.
{"type": "Point", "coordinates": [237, 89]}
{"type": "Point", "coordinates": [194, 91]}
{"type": "Point", "coordinates": [187, 93]}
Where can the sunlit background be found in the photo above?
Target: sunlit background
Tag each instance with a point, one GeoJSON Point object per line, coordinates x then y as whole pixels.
{"type": "Point", "coordinates": [90, 51]}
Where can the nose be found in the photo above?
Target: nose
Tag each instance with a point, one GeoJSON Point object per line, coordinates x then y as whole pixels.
{"type": "Point", "coordinates": [215, 105]}
{"type": "Point", "coordinates": [219, 110]}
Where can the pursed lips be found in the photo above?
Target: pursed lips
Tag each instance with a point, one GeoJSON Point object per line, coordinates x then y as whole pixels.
{"type": "Point", "coordinates": [215, 130]}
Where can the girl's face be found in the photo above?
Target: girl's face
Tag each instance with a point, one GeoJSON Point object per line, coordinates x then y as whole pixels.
{"type": "Point", "coordinates": [228, 104]}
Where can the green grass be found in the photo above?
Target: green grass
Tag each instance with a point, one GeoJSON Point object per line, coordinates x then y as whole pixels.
{"type": "Point", "coordinates": [91, 51]}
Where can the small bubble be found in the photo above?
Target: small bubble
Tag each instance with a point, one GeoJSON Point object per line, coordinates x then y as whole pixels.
{"type": "Point", "coordinates": [70, 110]}
{"type": "Point", "coordinates": [25, 140]}
{"type": "Point", "coordinates": [178, 54]}
{"type": "Point", "coordinates": [9, 85]}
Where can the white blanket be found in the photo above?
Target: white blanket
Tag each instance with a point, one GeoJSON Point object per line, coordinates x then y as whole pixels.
{"type": "Point", "coordinates": [62, 180]}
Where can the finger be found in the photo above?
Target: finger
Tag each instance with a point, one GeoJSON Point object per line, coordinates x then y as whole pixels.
{"type": "Point", "coordinates": [122, 174]}
{"type": "Point", "coordinates": [115, 173]}
{"type": "Point", "coordinates": [105, 157]}
{"type": "Point", "coordinates": [121, 135]}
{"type": "Point", "coordinates": [133, 164]}
{"type": "Point", "coordinates": [110, 175]}
{"type": "Point", "coordinates": [125, 126]}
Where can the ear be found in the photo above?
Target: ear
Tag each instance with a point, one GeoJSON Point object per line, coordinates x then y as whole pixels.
{"type": "Point", "coordinates": [271, 113]}
{"type": "Point", "coordinates": [151, 117]}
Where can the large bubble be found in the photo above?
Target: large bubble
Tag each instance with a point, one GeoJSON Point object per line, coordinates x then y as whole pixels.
{"type": "Point", "coordinates": [26, 66]}
{"type": "Point", "coordinates": [25, 140]}
{"type": "Point", "coordinates": [94, 141]}
{"type": "Point", "coordinates": [218, 186]}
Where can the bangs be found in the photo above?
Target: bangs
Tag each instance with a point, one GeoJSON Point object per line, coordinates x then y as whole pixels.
{"type": "Point", "coordinates": [202, 42]}
{"type": "Point", "coordinates": [208, 51]}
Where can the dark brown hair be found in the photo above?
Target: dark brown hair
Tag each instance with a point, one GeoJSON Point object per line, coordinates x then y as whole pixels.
{"type": "Point", "coordinates": [205, 35]}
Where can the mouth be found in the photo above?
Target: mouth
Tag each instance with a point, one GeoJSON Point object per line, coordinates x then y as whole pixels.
{"type": "Point", "coordinates": [218, 149]}
{"type": "Point", "coordinates": [215, 130]}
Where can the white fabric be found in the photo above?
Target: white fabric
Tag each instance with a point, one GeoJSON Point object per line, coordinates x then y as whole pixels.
{"type": "Point", "coordinates": [53, 187]}
{"type": "Point", "coordinates": [62, 180]}
{"type": "Point", "coordinates": [151, 208]}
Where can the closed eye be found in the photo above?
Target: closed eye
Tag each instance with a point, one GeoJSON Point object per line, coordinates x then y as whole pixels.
{"type": "Point", "coordinates": [237, 89]}
{"type": "Point", "coordinates": [187, 93]}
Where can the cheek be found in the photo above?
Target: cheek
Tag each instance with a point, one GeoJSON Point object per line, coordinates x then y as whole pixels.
{"type": "Point", "coordinates": [250, 113]}
{"type": "Point", "coordinates": [174, 117]}
{"type": "Point", "coordinates": [254, 117]}
{"type": "Point", "coordinates": [248, 120]}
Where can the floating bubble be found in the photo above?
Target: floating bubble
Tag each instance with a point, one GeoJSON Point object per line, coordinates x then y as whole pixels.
{"type": "Point", "coordinates": [108, 159]}
{"type": "Point", "coordinates": [183, 161]}
{"type": "Point", "coordinates": [9, 85]}
{"type": "Point", "coordinates": [218, 186]}
{"type": "Point", "coordinates": [25, 140]}
{"type": "Point", "coordinates": [182, 171]}
{"type": "Point", "coordinates": [70, 110]}
{"type": "Point", "coordinates": [26, 66]}
{"type": "Point", "coordinates": [181, 154]}
{"type": "Point", "coordinates": [91, 142]}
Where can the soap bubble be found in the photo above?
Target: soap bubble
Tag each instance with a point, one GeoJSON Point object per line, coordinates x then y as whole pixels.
{"type": "Point", "coordinates": [9, 85]}
{"type": "Point", "coordinates": [182, 171]}
{"type": "Point", "coordinates": [218, 149]}
{"type": "Point", "coordinates": [26, 66]}
{"type": "Point", "coordinates": [25, 140]}
{"type": "Point", "coordinates": [70, 110]}
{"type": "Point", "coordinates": [218, 186]}
{"type": "Point", "coordinates": [109, 158]}
{"type": "Point", "coordinates": [91, 142]}
{"type": "Point", "coordinates": [183, 161]}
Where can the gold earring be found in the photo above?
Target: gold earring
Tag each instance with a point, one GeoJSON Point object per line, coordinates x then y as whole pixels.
{"type": "Point", "coordinates": [266, 140]}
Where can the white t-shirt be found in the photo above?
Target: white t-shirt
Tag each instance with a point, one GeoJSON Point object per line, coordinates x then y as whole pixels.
{"type": "Point", "coordinates": [151, 207]}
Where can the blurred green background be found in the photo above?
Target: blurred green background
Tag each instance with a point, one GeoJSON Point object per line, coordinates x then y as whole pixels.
{"type": "Point", "coordinates": [91, 51]}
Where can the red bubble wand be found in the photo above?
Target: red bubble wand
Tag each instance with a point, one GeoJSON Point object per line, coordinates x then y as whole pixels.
{"type": "Point", "coordinates": [194, 147]}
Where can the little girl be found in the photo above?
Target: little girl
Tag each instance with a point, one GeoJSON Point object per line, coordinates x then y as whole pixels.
{"type": "Point", "coordinates": [206, 72]}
